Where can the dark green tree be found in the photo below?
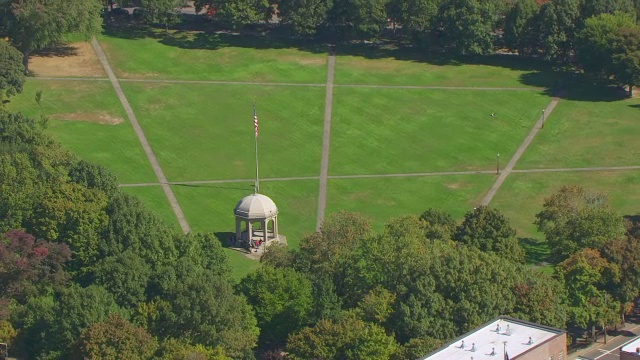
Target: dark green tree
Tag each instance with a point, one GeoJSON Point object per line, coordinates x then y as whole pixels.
{"type": "Point", "coordinates": [237, 13]}
{"type": "Point", "coordinates": [93, 176]}
{"type": "Point", "coordinates": [304, 16]}
{"type": "Point", "coordinates": [282, 300]}
{"type": "Point", "coordinates": [626, 59]}
{"type": "Point", "coordinates": [573, 219]}
{"type": "Point", "coordinates": [559, 21]}
{"type": "Point", "coordinates": [488, 230]}
{"type": "Point", "coordinates": [467, 27]}
{"type": "Point", "coordinates": [165, 12]}
{"type": "Point", "coordinates": [11, 71]}
{"type": "Point", "coordinates": [440, 224]}
{"type": "Point", "coordinates": [520, 26]}
{"type": "Point", "coordinates": [126, 276]}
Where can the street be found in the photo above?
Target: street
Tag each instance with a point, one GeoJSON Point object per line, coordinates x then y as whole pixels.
{"type": "Point", "coordinates": [610, 350]}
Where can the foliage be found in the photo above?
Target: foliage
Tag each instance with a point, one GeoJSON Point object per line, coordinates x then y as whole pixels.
{"type": "Point", "coordinates": [7, 332]}
{"type": "Point", "coordinates": [282, 300]}
{"type": "Point", "coordinates": [488, 230]}
{"type": "Point", "coordinates": [36, 24]}
{"type": "Point", "coordinates": [93, 176]}
{"type": "Point", "coordinates": [203, 250]}
{"type": "Point", "coordinates": [558, 23]}
{"type": "Point", "coordinates": [304, 16]}
{"type": "Point", "coordinates": [237, 13]}
{"type": "Point", "coordinates": [574, 219]}
{"type": "Point", "coordinates": [125, 276]}
{"type": "Point", "coordinates": [626, 58]}
{"type": "Point", "coordinates": [173, 349]}
{"type": "Point", "coordinates": [520, 26]}
{"type": "Point", "coordinates": [440, 224]}
{"type": "Point", "coordinates": [466, 27]}
{"type": "Point", "coordinates": [347, 338]}
{"type": "Point", "coordinates": [28, 267]}
{"type": "Point", "coordinates": [115, 338]}
{"type": "Point", "coordinates": [11, 70]}
{"type": "Point", "coordinates": [541, 299]}
{"type": "Point", "coordinates": [625, 254]}
{"type": "Point", "coordinates": [586, 276]}
{"type": "Point", "coordinates": [165, 12]}
{"type": "Point", "coordinates": [417, 348]}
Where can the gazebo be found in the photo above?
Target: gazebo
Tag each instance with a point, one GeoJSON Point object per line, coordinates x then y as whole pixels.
{"type": "Point", "coordinates": [260, 217]}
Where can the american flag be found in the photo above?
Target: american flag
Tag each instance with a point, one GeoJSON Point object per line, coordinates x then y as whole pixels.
{"type": "Point", "coordinates": [255, 120]}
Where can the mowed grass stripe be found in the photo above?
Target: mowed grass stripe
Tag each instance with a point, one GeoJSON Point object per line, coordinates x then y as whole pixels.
{"type": "Point", "coordinates": [206, 56]}
{"type": "Point", "coordinates": [592, 127]}
{"type": "Point", "coordinates": [203, 132]}
{"type": "Point", "coordinates": [86, 117]}
{"type": "Point", "coordinates": [385, 198]}
{"type": "Point", "coordinates": [378, 131]}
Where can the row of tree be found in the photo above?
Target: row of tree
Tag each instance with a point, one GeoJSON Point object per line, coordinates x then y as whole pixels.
{"type": "Point", "coordinates": [87, 272]}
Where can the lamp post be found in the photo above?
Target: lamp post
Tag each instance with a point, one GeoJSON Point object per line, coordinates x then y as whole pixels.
{"type": "Point", "coordinates": [498, 164]}
{"type": "Point", "coordinates": [544, 118]}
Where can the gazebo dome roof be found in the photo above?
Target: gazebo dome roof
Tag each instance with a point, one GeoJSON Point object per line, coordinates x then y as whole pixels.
{"type": "Point", "coordinates": [256, 206]}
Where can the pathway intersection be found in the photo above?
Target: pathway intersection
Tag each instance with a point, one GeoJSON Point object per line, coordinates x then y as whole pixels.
{"type": "Point", "coordinates": [323, 176]}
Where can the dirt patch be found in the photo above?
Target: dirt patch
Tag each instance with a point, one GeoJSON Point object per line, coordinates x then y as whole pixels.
{"type": "Point", "coordinates": [75, 59]}
{"type": "Point", "coordinates": [97, 117]}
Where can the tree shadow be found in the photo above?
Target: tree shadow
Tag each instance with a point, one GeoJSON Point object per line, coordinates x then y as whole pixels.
{"type": "Point", "coordinates": [635, 106]}
{"type": "Point", "coordinates": [61, 50]}
{"type": "Point", "coordinates": [536, 251]}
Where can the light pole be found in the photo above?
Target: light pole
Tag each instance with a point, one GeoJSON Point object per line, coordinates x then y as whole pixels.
{"type": "Point", "coordinates": [543, 117]}
{"type": "Point", "coordinates": [498, 164]}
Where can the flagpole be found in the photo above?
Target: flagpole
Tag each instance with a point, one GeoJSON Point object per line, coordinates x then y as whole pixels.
{"type": "Point", "coordinates": [255, 124]}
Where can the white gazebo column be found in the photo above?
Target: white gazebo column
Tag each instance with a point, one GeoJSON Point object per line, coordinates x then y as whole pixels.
{"type": "Point", "coordinates": [238, 231]}
{"type": "Point", "coordinates": [265, 233]}
{"type": "Point", "coordinates": [275, 227]}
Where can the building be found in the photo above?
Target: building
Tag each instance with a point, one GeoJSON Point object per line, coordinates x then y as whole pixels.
{"type": "Point", "coordinates": [631, 351]}
{"type": "Point", "coordinates": [502, 336]}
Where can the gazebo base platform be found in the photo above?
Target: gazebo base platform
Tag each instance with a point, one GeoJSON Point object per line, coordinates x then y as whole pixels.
{"type": "Point", "coordinates": [255, 253]}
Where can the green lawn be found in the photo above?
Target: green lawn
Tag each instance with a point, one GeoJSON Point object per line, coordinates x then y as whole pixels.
{"type": "Point", "coordinates": [209, 207]}
{"type": "Point", "coordinates": [203, 56]}
{"type": "Point", "coordinates": [76, 110]}
{"type": "Point", "coordinates": [384, 198]}
{"type": "Point", "coordinates": [594, 127]}
{"type": "Point", "coordinates": [379, 131]}
{"type": "Point", "coordinates": [357, 65]}
{"type": "Point", "coordinates": [204, 131]}
{"type": "Point", "coordinates": [623, 188]}
{"type": "Point", "coordinates": [156, 200]}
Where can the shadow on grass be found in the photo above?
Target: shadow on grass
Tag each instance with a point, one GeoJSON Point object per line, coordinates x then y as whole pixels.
{"type": "Point", "coordinates": [57, 51]}
{"type": "Point", "coordinates": [536, 251]}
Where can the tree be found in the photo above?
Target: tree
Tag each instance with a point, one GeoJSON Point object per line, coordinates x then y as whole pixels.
{"type": "Point", "coordinates": [115, 338]}
{"type": "Point", "coordinates": [626, 59]}
{"type": "Point", "coordinates": [369, 17]}
{"type": "Point", "coordinates": [573, 219]}
{"type": "Point", "coordinates": [541, 299]}
{"type": "Point", "coordinates": [440, 224]}
{"type": "Point", "coordinates": [36, 24]}
{"type": "Point", "coordinates": [29, 267]}
{"type": "Point", "coordinates": [282, 300]}
{"type": "Point", "coordinates": [520, 25]}
{"type": "Point", "coordinates": [625, 253]}
{"type": "Point", "coordinates": [488, 230]}
{"type": "Point", "coordinates": [418, 17]}
{"type": "Point", "coordinates": [173, 349]}
{"type": "Point", "coordinates": [165, 12]}
{"type": "Point", "coordinates": [237, 13]}
{"type": "Point", "coordinates": [558, 23]}
{"type": "Point", "coordinates": [125, 276]}
{"type": "Point", "coordinates": [11, 71]}
{"type": "Point", "coordinates": [466, 27]}
{"type": "Point", "coordinates": [595, 42]}
{"type": "Point", "coordinates": [93, 176]}
{"type": "Point", "coordinates": [348, 338]}
{"type": "Point", "coordinates": [304, 16]}
{"type": "Point", "coordinates": [586, 276]}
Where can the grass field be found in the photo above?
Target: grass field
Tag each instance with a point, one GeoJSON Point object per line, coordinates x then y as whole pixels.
{"type": "Point", "coordinates": [87, 117]}
{"type": "Point", "coordinates": [593, 127]}
{"type": "Point", "coordinates": [366, 65]}
{"type": "Point", "coordinates": [384, 198]}
{"type": "Point", "coordinates": [380, 131]}
{"type": "Point", "coordinates": [200, 56]}
{"type": "Point", "coordinates": [204, 131]}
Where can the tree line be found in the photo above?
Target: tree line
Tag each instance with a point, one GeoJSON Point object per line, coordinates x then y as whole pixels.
{"type": "Point", "coordinates": [87, 272]}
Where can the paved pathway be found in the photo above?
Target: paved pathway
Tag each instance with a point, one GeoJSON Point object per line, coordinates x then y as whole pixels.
{"type": "Point", "coordinates": [326, 139]}
{"type": "Point", "coordinates": [216, 82]}
{"type": "Point", "coordinates": [514, 160]}
{"type": "Point", "coordinates": [610, 350]}
{"type": "Point", "coordinates": [162, 179]}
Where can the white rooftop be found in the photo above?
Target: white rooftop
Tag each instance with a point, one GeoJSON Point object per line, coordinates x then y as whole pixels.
{"type": "Point", "coordinates": [632, 346]}
{"type": "Point", "coordinates": [490, 344]}
{"type": "Point", "coordinates": [256, 206]}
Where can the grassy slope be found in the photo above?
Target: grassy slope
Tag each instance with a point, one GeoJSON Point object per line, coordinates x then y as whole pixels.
{"type": "Point", "coordinates": [202, 132]}
{"type": "Point", "coordinates": [202, 56]}
{"type": "Point", "coordinates": [377, 131]}
{"type": "Point", "coordinates": [114, 146]}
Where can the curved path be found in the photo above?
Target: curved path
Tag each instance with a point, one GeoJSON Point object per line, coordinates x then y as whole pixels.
{"type": "Point", "coordinates": [326, 139]}
{"type": "Point", "coordinates": [162, 179]}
